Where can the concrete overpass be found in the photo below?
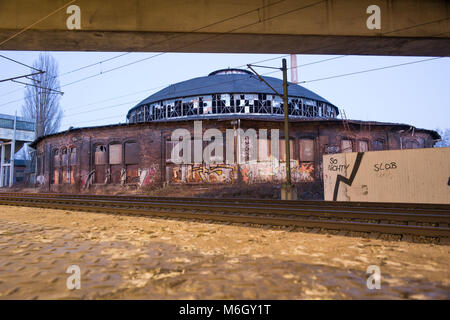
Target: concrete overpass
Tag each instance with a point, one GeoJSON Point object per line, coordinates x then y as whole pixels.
{"type": "Point", "coordinates": [380, 27]}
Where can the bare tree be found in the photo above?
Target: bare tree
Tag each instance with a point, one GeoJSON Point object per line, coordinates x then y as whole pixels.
{"type": "Point", "coordinates": [42, 100]}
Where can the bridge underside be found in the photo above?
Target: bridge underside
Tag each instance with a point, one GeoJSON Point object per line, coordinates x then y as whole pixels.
{"type": "Point", "coordinates": [401, 27]}
{"type": "Point", "coordinates": [225, 43]}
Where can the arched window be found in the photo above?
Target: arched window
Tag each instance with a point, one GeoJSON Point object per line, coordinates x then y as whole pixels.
{"type": "Point", "coordinates": [56, 163]}
{"type": "Point", "coordinates": [378, 145]}
{"type": "Point", "coordinates": [307, 158]}
{"type": "Point", "coordinates": [65, 166]}
{"type": "Point", "coordinates": [115, 162]}
{"type": "Point", "coordinates": [412, 144]}
{"type": "Point", "coordinates": [73, 163]}
{"type": "Point", "coordinates": [363, 146]}
{"type": "Point", "coordinates": [346, 145]}
{"type": "Point", "coordinates": [131, 161]}
{"type": "Point", "coordinates": [306, 150]}
{"type": "Point", "coordinates": [100, 163]}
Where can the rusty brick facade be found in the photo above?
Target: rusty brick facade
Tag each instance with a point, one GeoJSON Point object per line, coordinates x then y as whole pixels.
{"type": "Point", "coordinates": [136, 154]}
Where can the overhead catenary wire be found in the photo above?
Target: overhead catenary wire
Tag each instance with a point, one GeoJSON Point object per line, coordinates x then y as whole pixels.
{"type": "Point", "coordinates": [260, 20]}
{"type": "Point", "coordinates": [156, 55]}
{"type": "Point", "coordinates": [201, 40]}
{"type": "Point", "coordinates": [342, 75]}
{"type": "Point", "coordinates": [21, 63]}
{"type": "Point", "coordinates": [279, 58]}
{"type": "Point", "coordinates": [369, 70]}
{"type": "Point", "coordinates": [190, 44]}
{"type": "Point", "coordinates": [173, 37]}
{"type": "Point", "coordinates": [200, 87]}
{"type": "Point", "coordinates": [35, 23]}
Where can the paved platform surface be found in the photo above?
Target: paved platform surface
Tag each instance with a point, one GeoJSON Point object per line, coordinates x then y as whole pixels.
{"type": "Point", "coordinates": [129, 257]}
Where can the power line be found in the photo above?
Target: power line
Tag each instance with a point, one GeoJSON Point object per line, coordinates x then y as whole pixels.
{"type": "Point", "coordinates": [255, 62]}
{"type": "Point", "coordinates": [94, 64]}
{"type": "Point", "coordinates": [228, 32]}
{"type": "Point", "coordinates": [92, 120]}
{"type": "Point", "coordinates": [102, 108]}
{"type": "Point", "coordinates": [24, 76]}
{"type": "Point", "coordinates": [202, 40]}
{"type": "Point", "coordinates": [369, 70]}
{"type": "Point", "coordinates": [159, 54]}
{"type": "Point", "coordinates": [212, 85]}
{"type": "Point", "coordinates": [201, 87]}
{"type": "Point", "coordinates": [336, 76]}
{"type": "Point", "coordinates": [147, 58]}
{"type": "Point", "coordinates": [190, 44]}
{"type": "Point", "coordinates": [31, 25]}
{"type": "Point", "coordinates": [39, 87]}
{"type": "Point", "coordinates": [18, 62]}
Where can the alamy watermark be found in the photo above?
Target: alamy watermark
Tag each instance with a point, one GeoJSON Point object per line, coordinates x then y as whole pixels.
{"type": "Point", "coordinates": [74, 280]}
{"type": "Point", "coordinates": [374, 280]}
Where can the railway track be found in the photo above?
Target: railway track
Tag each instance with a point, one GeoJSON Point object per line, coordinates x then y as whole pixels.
{"type": "Point", "coordinates": [406, 219]}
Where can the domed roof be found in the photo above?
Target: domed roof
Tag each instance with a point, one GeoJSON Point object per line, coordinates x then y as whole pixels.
{"type": "Point", "coordinates": [228, 81]}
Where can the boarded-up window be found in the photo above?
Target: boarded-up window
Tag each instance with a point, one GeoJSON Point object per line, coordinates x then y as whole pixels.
{"type": "Point", "coordinates": [115, 173]}
{"type": "Point", "coordinates": [66, 175]}
{"type": "Point", "coordinates": [307, 150]}
{"type": "Point", "coordinates": [132, 173]}
{"type": "Point", "coordinates": [346, 145]}
{"type": "Point", "coordinates": [131, 153]}
{"type": "Point", "coordinates": [363, 146]}
{"type": "Point", "coordinates": [73, 156]}
{"type": "Point", "coordinates": [115, 154]}
{"type": "Point", "coordinates": [56, 176]}
{"type": "Point", "coordinates": [282, 154]}
{"type": "Point", "coordinates": [100, 163]}
{"type": "Point", "coordinates": [378, 145]}
{"type": "Point", "coordinates": [56, 162]}
{"type": "Point", "coordinates": [100, 154]}
{"type": "Point", "coordinates": [412, 144]}
{"type": "Point", "coordinates": [73, 163]}
{"type": "Point", "coordinates": [65, 158]}
{"type": "Point", "coordinates": [263, 149]}
{"type": "Point", "coordinates": [100, 173]}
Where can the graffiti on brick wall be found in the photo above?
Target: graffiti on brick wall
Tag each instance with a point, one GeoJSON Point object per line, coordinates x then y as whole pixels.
{"type": "Point", "coordinates": [222, 173]}
{"type": "Point", "coordinates": [250, 173]}
{"type": "Point", "coordinates": [199, 173]}
{"type": "Point", "coordinates": [87, 178]}
{"type": "Point", "coordinates": [147, 176]}
{"type": "Point", "coordinates": [303, 172]}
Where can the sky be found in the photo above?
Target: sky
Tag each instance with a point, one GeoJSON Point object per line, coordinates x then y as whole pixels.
{"type": "Point", "coordinates": [416, 94]}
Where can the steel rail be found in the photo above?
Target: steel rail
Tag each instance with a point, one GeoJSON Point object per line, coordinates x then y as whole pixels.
{"type": "Point", "coordinates": [247, 212]}
{"type": "Point", "coordinates": [442, 217]}
{"type": "Point", "coordinates": [397, 207]}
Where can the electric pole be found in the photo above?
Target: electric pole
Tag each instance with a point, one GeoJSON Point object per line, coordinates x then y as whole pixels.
{"type": "Point", "coordinates": [286, 128]}
{"type": "Point", "coordinates": [288, 185]}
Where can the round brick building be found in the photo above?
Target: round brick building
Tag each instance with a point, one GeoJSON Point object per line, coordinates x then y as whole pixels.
{"type": "Point", "coordinates": [233, 102]}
